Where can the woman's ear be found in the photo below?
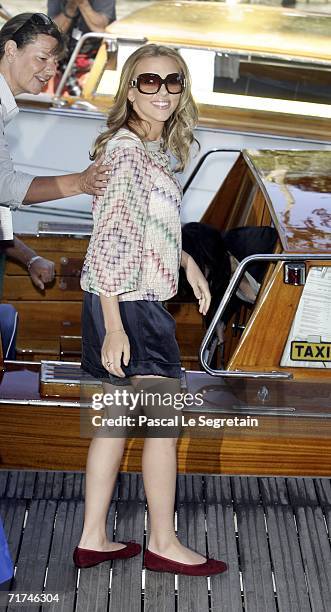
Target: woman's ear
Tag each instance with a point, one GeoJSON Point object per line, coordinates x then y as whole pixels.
{"type": "Point", "coordinates": [10, 50]}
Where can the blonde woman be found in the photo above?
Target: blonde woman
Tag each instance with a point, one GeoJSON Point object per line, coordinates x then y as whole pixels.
{"type": "Point", "coordinates": [131, 268]}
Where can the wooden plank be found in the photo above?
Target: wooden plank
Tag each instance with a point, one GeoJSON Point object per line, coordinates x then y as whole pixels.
{"type": "Point", "coordinates": [246, 491]}
{"type": "Point", "coordinates": [32, 561]}
{"type": "Point", "coordinates": [21, 288]}
{"type": "Point", "coordinates": [274, 491]}
{"type": "Point", "coordinates": [189, 489]}
{"type": "Point", "coordinates": [314, 540]}
{"type": "Point", "coordinates": [253, 547]}
{"type": "Point", "coordinates": [218, 490]}
{"type": "Point", "coordinates": [130, 488]}
{"type": "Point", "coordinates": [125, 591]}
{"type": "Point", "coordinates": [14, 484]}
{"type": "Point", "coordinates": [62, 574]}
{"type": "Point", "coordinates": [45, 245]}
{"type": "Point", "coordinates": [73, 485]}
{"type": "Point", "coordinates": [12, 514]}
{"type": "Point", "coordinates": [93, 590]}
{"type": "Point", "coordinates": [192, 590]}
{"type": "Point", "coordinates": [34, 320]}
{"type": "Point", "coordinates": [4, 474]}
{"type": "Point", "coordinates": [323, 490]}
{"type": "Point", "coordinates": [48, 485]}
{"type": "Point", "coordinates": [222, 544]}
{"type": "Point", "coordinates": [302, 492]}
{"type": "Point", "coordinates": [291, 588]}
{"type": "Point", "coordinates": [159, 593]}
{"type": "Point", "coordinates": [159, 588]}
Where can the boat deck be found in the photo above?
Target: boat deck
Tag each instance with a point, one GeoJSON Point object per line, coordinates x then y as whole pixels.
{"type": "Point", "coordinates": [273, 533]}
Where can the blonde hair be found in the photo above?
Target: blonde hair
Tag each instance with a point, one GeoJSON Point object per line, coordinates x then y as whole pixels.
{"type": "Point", "coordinates": [177, 132]}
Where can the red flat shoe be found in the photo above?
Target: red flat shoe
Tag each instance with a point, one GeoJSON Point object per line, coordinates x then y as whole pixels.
{"type": "Point", "coordinates": [155, 563]}
{"type": "Point", "coordinates": [84, 557]}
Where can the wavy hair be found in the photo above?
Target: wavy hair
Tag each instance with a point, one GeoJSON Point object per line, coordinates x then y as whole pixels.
{"type": "Point", "coordinates": [177, 134]}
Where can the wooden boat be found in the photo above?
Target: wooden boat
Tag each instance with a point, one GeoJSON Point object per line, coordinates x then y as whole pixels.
{"type": "Point", "coordinates": [273, 532]}
{"type": "Point", "coordinates": [238, 56]}
{"type": "Point", "coordinates": [39, 406]}
{"type": "Point", "coordinates": [287, 82]}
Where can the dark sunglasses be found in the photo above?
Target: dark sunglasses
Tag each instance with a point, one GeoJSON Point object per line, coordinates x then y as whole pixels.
{"type": "Point", "coordinates": [36, 19]}
{"type": "Point", "coordinates": [150, 83]}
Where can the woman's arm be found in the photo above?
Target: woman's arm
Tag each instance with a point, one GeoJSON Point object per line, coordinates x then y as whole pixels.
{"type": "Point", "coordinates": [197, 281]}
{"type": "Point", "coordinates": [116, 342]}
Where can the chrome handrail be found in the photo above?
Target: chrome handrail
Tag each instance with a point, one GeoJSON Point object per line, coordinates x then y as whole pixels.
{"type": "Point", "coordinates": [83, 38]}
{"type": "Point", "coordinates": [205, 355]}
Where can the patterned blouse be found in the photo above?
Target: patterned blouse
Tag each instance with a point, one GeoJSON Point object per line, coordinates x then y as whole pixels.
{"type": "Point", "coordinates": [135, 247]}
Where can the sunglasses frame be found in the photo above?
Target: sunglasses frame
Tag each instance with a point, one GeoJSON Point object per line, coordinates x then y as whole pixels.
{"type": "Point", "coordinates": [44, 20]}
{"type": "Point", "coordinates": [136, 83]}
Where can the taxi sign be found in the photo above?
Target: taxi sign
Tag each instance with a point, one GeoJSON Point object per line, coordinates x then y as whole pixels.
{"type": "Point", "coordinates": [310, 351]}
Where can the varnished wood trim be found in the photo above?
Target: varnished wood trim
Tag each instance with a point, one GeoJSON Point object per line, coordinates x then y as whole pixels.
{"type": "Point", "coordinates": [48, 438]}
{"type": "Point", "coordinates": [263, 341]}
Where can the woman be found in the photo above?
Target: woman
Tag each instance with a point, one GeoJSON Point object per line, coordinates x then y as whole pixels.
{"type": "Point", "coordinates": [131, 268]}
{"type": "Point", "coordinates": [30, 46]}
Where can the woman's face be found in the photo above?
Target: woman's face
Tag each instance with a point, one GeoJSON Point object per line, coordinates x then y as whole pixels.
{"type": "Point", "coordinates": [155, 108]}
{"type": "Point", "coordinates": [32, 66]}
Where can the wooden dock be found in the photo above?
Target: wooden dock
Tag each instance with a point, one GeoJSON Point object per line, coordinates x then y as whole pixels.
{"type": "Point", "coordinates": [272, 532]}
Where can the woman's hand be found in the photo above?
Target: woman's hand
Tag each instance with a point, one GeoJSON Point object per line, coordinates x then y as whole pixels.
{"type": "Point", "coordinates": [115, 344]}
{"type": "Point", "coordinates": [197, 281]}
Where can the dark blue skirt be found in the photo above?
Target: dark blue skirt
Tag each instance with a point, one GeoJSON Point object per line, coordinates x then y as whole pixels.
{"type": "Point", "coordinates": [151, 332]}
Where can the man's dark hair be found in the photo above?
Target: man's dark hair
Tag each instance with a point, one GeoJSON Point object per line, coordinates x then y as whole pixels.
{"type": "Point", "coordinates": [24, 29]}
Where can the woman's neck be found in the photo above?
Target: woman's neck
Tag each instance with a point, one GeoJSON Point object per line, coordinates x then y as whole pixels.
{"type": "Point", "coordinates": [146, 131]}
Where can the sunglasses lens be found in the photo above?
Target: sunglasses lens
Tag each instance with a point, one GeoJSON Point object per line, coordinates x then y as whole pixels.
{"type": "Point", "coordinates": [149, 83]}
{"type": "Point", "coordinates": [174, 83]}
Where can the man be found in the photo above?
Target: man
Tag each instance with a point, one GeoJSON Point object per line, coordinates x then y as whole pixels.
{"type": "Point", "coordinates": [77, 17]}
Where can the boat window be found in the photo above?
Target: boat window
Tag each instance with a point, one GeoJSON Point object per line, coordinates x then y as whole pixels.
{"type": "Point", "coordinates": [272, 78]}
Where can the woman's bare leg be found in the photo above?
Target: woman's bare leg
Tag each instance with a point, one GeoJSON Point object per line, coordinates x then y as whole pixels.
{"type": "Point", "coordinates": [159, 465]}
{"type": "Point", "coordinates": [103, 462]}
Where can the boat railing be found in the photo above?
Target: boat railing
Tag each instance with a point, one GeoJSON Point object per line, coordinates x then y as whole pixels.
{"type": "Point", "coordinates": [208, 345]}
{"type": "Point", "coordinates": [112, 46]}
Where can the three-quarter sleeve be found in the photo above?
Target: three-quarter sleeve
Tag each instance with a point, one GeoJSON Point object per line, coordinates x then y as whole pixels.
{"type": "Point", "coordinates": [113, 261]}
{"type": "Point", "coordinates": [13, 183]}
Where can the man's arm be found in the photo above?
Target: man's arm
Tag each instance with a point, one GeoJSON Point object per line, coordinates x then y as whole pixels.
{"type": "Point", "coordinates": [96, 21]}
{"type": "Point", "coordinates": [41, 270]}
{"type": "Point", "coordinates": [63, 18]}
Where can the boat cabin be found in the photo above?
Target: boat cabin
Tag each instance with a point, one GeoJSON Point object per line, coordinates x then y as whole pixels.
{"type": "Point", "coordinates": [238, 57]}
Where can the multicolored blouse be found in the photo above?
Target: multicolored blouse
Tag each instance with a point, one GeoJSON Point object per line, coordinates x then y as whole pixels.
{"type": "Point", "coordinates": [135, 247]}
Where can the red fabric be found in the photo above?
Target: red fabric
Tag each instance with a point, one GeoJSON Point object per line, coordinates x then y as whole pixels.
{"type": "Point", "coordinates": [83, 557]}
{"type": "Point", "coordinates": [157, 563]}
